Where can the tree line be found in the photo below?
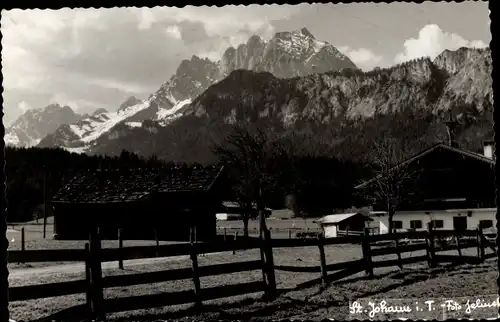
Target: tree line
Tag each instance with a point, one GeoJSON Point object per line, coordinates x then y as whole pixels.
{"type": "Point", "coordinates": [311, 169]}
{"type": "Point", "coordinates": [33, 173]}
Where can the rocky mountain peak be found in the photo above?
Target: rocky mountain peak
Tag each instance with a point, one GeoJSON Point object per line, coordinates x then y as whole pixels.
{"type": "Point", "coordinates": [304, 32]}
{"type": "Point", "coordinates": [103, 110]}
{"type": "Point", "coordinates": [288, 54]}
{"type": "Point", "coordinates": [34, 124]}
{"type": "Point", "coordinates": [453, 61]}
{"type": "Point", "coordinates": [130, 101]}
{"type": "Point", "coordinates": [254, 40]}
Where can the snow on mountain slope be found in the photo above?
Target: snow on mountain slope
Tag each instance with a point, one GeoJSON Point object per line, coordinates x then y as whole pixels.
{"type": "Point", "coordinates": [28, 129]}
{"type": "Point", "coordinates": [113, 119]}
{"type": "Point", "coordinates": [134, 124]}
{"type": "Point", "coordinates": [287, 54]}
{"type": "Point", "coordinates": [11, 139]}
{"type": "Point", "coordinates": [164, 114]}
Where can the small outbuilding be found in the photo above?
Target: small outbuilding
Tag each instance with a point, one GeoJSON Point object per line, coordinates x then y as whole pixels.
{"type": "Point", "coordinates": [335, 225]}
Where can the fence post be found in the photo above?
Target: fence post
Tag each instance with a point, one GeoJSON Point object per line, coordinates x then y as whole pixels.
{"type": "Point", "coordinates": [322, 259]}
{"type": "Point", "coordinates": [396, 239]}
{"type": "Point", "coordinates": [431, 260]}
{"type": "Point", "coordinates": [157, 242]}
{"type": "Point", "coordinates": [194, 260]}
{"type": "Point", "coordinates": [367, 253]}
{"type": "Point", "coordinates": [120, 246]}
{"type": "Point", "coordinates": [480, 243]}
{"type": "Point", "coordinates": [289, 233]}
{"type": "Point", "coordinates": [457, 240]}
{"type": "Point", "coordinates": [224, 233]}
{"type": "Point", "coordinates": [268, 253]}
{"type": "Point", "coordinates": [22, 242]}
{"type": "Point", "coordinates": [88, 292]}
{"type": "Point", "coordinates": [263, 261]}
{"type": "Point", "coordinates": [234, 247]}
{"type": "Point", "coordinates": [96, 275]}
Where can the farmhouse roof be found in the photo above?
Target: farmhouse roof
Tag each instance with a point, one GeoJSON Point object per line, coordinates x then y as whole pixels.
{"type": "Point", "coordinates": [114, 186]}
{"type": "Point", "coordinates": [439, 146]}
{"type": "Point", "coordinates": [338, 218]}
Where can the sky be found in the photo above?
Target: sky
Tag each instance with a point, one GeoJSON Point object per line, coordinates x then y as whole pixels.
{"type": "Point", "coordinates": [96, 58]}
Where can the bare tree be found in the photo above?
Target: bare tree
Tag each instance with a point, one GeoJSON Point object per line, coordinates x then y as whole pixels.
{"type": "Point", "coordinates": [395, 179]}
{"type": "Point", "coordinates": [253, 158]}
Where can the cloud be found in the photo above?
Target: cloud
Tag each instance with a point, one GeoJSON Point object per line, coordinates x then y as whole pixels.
{"type": "Point", "coordinates": [24, 107]}
{"type": "Point", "coordinates": [362, 57]}
{"type": "Point", "coordinates": [174, 32]}
{"type": "Point", "coordinates": [146, 19]}
{"type": "Point", "coordinates": [431, 42]}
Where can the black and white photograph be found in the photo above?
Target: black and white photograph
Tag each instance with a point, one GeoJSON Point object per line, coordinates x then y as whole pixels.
{"type": "Point", "coordinates": [264, 162]}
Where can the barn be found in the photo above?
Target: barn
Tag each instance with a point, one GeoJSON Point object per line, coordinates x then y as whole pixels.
{"type": "Point", "coordinates": [141, 202]}
{"type": "Point", "coordinates": [455, 189]}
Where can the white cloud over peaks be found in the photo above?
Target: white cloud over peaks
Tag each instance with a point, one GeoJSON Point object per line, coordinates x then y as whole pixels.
{"type": "Point", "coordinates": [362, 57]}
{"type": "Point", "coordinates": [146, 18]}
{"type": "Point", "coordinates": [24, 107]}
{"type": "Point", "coordinates": [431, 42]}
{"type": "Point", "coordinates": [174, 32]}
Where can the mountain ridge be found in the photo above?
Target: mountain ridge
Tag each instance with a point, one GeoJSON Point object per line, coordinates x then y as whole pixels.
{"type": "Point", "coordinates": [457, 81]}
{"type": "Point", "coordinates": [334, 106]}
{"type": "Point", "coordinates": [294, 53]}
{"type": "Point", "coordinates": [35, 124]}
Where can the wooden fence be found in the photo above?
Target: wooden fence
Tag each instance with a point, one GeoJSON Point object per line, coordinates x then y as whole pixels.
{"type": "Point", "coordinates": [94, 283]}
{"type": "Point", "coordinates": [350, 232]}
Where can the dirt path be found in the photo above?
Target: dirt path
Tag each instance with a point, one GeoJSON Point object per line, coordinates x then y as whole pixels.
{"type": "Point", "coordinates": [80, 267]}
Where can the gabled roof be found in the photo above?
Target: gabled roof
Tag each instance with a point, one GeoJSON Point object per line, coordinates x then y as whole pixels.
{"type": "Point", "coordinates": [433, 148]}
{"type": "Point", "coordinates": [115, 186]}
{"type": "Point", "coordinates": [338, 218]}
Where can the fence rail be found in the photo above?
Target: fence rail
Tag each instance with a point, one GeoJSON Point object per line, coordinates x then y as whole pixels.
{"type": "Point", "coordinates": [94, 283]}
{"type": "Point", "coordinates": [349, 232]}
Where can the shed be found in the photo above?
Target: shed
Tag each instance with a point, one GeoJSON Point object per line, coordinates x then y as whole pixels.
{"type": "Point", "coordinates": [141, 202]}
{"type": "Point", "coordinates": [331, 225]}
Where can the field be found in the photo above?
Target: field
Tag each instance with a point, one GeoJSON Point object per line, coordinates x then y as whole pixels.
{"type": "Point", "coordinates": [299, 299]}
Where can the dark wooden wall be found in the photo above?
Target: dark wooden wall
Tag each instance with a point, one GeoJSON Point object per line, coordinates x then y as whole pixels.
{"type": "Point", "coordinates": [172, 215]}
{"type": "Point", "coordinates": [446, 174]}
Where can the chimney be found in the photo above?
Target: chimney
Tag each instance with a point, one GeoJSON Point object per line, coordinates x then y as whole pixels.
{"type": "Point", "coordinates": [488, 147]}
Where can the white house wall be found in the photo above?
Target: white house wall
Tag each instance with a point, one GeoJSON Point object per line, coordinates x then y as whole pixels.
{"type": "Point", "coordinates": [330, 231]}
{"type": "Point", "coordinates": [445, 215]}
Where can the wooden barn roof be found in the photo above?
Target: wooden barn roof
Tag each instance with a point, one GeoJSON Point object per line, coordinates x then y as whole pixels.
{"type": "Point", "coordinates": [114, 186]}
{"type": "Point", "coordinates": [439, 146]}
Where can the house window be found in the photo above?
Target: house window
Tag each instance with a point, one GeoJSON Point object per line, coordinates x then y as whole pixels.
{"type": "Point", "coordinates": [486, 224]}
{"type": "Point", "coordinates": [415, 224]}
{"type": "Point", "coordinates": [397, 224]}
{"type": "Point", "coordinates": [437, 224]}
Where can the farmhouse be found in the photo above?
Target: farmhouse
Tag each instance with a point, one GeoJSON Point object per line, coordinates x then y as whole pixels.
{"type": "Point", "coordinates": [455, 189]}
{"type": "Point", "coordinates": [139, 202]}
{"type": "Point", "coordinates": [332, 225]}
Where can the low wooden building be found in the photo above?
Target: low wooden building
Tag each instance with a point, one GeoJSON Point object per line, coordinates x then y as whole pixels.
{"type": "Point", "coordinates": [331, 225]}
{"type": "Point", "coordinates": [454, 189]}
{"type": "Point", "coordinates": [142, 203]}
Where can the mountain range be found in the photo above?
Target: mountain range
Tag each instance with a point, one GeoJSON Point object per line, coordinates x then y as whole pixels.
{"type": "Point", "coordinates": [291, 83]}
{"type": "Point", "coordinates": [35, 124]}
